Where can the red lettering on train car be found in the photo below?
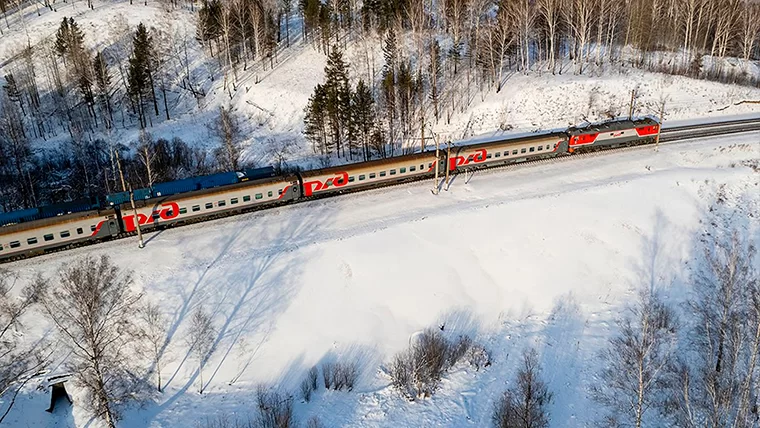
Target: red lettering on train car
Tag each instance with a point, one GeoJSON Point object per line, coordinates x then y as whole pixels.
{"type": "Point", "coordinates": [477, 157]}
{"type": "Point", "coordinates": [340, 180]}
{"type": "Point", "coordinates": [168, 211]}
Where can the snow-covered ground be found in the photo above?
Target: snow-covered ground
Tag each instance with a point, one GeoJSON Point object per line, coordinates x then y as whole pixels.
{"type": "Point", "coordinates": [272, 101]}
{"type": "Point", "coordinates": [544, 255]}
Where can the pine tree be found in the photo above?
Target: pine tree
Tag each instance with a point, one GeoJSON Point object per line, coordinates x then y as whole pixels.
{"type": "Point", "coordinates": [62, 37]}
{"type": "Point", "coordinates": [315, 120]}
{"type": "Point", "coordinates": [14, 94]}
{"type": "Point", "coordinates": [103, 83]}
{"type": "Point", "coordinates": [363, 117]}
{"type": "Point", "coordinates": [209, 18]}
{"type": "Point", "coordinates": [338, 102]}
{"type": "Point", "coordinates": [388, 83]}
{"type": "Point", "coordinates": [435, 75]}
{"type": "Point", "coordinates": [141, 67]}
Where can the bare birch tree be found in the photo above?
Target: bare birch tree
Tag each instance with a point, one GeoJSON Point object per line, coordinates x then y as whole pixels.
{"type": "Point", "coordinates": [17, 361]}
{"type": "Point", "coordinates": [201, 340]}
{"type": "Point", "coordinates": [92, 306]}
{"type": "Point", "coordinates": [153, 333]}
{"type": "Point", "coordinates": [636, 362]}
{"type": "Point", "coordinates": [525, 404]}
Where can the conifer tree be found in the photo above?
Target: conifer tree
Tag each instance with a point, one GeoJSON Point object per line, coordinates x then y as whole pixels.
{"type": "Point", "coordinates": [363, 117]}
{"type": "Point", "coordinates": [141, 67]}
{"type": "Point", "coordinates": [103, 84]}
{"type": "Point", "coordinates": [338, 100]}
{"type": "Point", "coordinates": [315, 120]}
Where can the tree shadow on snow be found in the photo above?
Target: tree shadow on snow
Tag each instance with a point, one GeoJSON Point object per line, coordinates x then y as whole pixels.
{"type": "Point", "coordinates": [245, 287]}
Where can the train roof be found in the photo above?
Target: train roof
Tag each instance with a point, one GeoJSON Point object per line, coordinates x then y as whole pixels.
{"type": "Point", "coordinates": [612, 125]}
{"type": "Point", "coordinates": [61, 219]}
{"type": "Point", "coordinates": [47, 211]}
{"type": "Point", "coordinates": [375, 163]}
{"type": "Point", "coordinates": [510, 139]}
{"type": "Point", "coordinates": [488, 139]}
{"type": "Point", "coordinates": [210, 191]}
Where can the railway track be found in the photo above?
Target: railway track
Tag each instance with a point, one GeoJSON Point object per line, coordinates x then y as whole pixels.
{"type": "Point", "coordinates": [669, 136]}
{"type": "Point", "coordinates": [673, 135]}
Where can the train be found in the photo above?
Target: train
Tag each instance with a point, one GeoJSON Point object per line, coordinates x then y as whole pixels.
{"type": "Point", "coordinates": [35, 231]}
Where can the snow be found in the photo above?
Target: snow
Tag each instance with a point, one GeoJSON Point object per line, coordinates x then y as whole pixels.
{"type": "Point", "coordinates": [272, 101]}
{"type": "Point", "coordinates": [544, 255]}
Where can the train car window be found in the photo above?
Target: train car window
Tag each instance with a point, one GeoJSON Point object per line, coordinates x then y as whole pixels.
{"type": "Point", "coordinates": [393, 172]}
{"type": "Point", "coordinates": [196, 208]}
{"type": "Point", "coordinates": [547, 147]}
{"type": "Point", "coordinates": [1, 247]}
{"type": "Point", "coordinates": [514, 152]}
{"type": "Point", "coordinates": [222, 203]}
{"type": "Point", "coordinates": [361, 177]}
{"type": "Point", "coordinates": [92, 228]}
{"type": "Point", "coordinates": [382, 173]}
{"type": "Point", "coordinates": [340, 180]}
{"type": "Point", "coordinates": [209, 205]}
{"type": "Point", "coordinates": [79, 231]}
{"type": "Point", "coordinates": [402, 170]}
{"type": "Point", "coordinates": [532, 149]}
{"type": "Point", "coordinates": [15, 244]}
{"type": "Point", "coordinates": [269, 194]}
{"type": "Point", "coordinates": [234, 201]}
{"type": "Point", "coordinates": [540, 148]}
{"type": "Point", "coordinates": [48, 237]}
{"type": "Point", "coordinates": [372, 175]}
{"type": "Point", "coordinates": [488, 156]}
{"type": "Point", "coordinates": [247, 198]}
{"type": "Point", "coordinates": [422, 167]}
{"type": "Point", "coordinates": [351, 179]}
{"type": "Point", "coordinates": [430, 164]}
{"type": "Point", "coordinates": [183, 210]}
{"type": "Point", "coordinates": [31, 241]}
{"type": "Point", "coordinates": [412, 168]}
{"type": "Point", "coordinates": [279, 192]}
{"type": "Point", "coordinates": [497, 155]}
{"type": "Point", "coordinates": [65, 234]}
{"type": "Point", "coordinates": [259, 196]}
{"type": "Point", "coordinates": [523, 150]}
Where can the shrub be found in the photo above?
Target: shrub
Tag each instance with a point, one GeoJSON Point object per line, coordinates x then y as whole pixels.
{"type": "Point", "coordinates": [306, 390]}
{"type": "Point", "coordinates": [312, 375]}
{"type": "Point", "coordinates": [327, 371]}
{"type": "Point", "coordinates": [417, 371]}
{"type": "Point", "coordinates": [275, 409]}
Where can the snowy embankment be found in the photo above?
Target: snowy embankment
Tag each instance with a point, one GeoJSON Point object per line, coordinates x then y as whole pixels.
{"type": "Point", "coordinates": [544, 256]}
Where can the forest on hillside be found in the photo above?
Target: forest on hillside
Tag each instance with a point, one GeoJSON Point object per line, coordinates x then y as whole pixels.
{"type": "Point", "coordinates": [437, 56]}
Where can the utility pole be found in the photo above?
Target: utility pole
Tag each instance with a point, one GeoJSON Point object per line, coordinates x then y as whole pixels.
{"type": "Point", "coordinates": [437, 167]}
{"type": "Point", "coordinates": [422, 129]}
{"type": "Point", "coordinates": [446, 164]}
{"type": "Point", "coordinates": [630, 110]}
{"type": "Point", "coordinates": [137, 219]}
{"type": "Point", "coordinates": [659, 128]}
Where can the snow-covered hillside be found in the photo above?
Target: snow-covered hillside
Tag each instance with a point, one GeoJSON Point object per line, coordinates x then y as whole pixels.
{"type": "Point", "coordinates": [544, 256]}
{"type": "Point", "coordinates": [272, 101]}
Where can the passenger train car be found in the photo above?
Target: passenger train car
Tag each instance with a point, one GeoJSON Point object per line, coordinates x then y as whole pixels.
{"type": "Point", "coordinates": [30, 232]}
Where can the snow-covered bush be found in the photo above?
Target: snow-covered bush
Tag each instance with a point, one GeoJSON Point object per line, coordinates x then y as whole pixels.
{"type": "Point", "coordinates": [417, 371]}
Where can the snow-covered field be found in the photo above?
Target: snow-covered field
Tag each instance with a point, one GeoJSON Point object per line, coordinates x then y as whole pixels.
{"type": "Point", "coordinates": [544, 256]}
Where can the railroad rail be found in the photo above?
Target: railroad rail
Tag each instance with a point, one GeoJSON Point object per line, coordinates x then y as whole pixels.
{"type": "Point", "coordinates": [671, 135]}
